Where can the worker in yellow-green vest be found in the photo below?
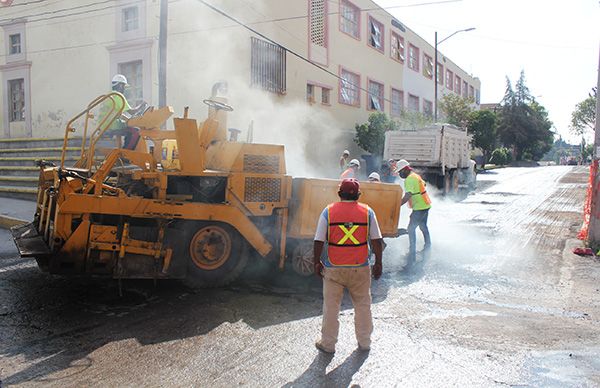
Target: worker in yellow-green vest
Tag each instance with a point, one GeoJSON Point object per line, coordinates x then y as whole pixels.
{"type": "Point", "coordinates": [418, 199]}
{"type": "Point", "coordinates": [119, 126]}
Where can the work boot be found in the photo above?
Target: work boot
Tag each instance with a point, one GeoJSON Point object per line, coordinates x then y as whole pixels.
{"type": "Point", "coordinates": [322, 348]}
{"type": "Point", "coordinates": [411, 258]}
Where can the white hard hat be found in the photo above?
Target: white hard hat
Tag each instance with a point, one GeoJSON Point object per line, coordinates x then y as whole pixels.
{"type": "Point", "coordinates": [346, 152]}
{"type": "Point", "coordinates": [375, 176]}
{"type": "Point", "coordinates": [119, 79]}
{"type": "Point", "coordinates": [354, 162]}
{"type": "Point", "coordinates": [401, 165]}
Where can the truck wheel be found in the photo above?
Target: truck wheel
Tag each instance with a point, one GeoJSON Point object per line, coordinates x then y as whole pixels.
{"type": "Point", "coordinates": [302, 258]}
{"type": "Point", "coordinates": [215, 255]}
{"type": "Point", "coordinates": [447, 183]}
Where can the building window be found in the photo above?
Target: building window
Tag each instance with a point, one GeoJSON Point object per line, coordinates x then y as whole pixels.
{"type": "Point", "coordinates": [134, 74]}
{"type": "Point", "coordinates": [427, 66]}
{"type": "Point", "coordinates": [449, 79]}
{"type": "Point", "coordinates": [16, 95]}
{"type": "Point", "coordinates": [349, 88]}
{"type": "Point", "coordinates": [318, 22]}
{"type": "Point", "coordinates": [325, 96]}
{"type": "Point", "coordinates": [310, 93]}
{"type": "Point", "coordinates": [397, 102]}
{"type": "Point", "coordinates": [268, 66]}
{"type": "Point", "coordinates": [465, 89]}
{"type": "Point", "coordinates": [477, 96]}
{"type": "Point", "coordinates": [427, 108]}
{"type": "Point", "coordinates": [471, 92]}
{"type": "Point", "coordinates": [413, 103]}
{"type": "Point", "coordinates": [14, 41]}
{"type": "Point", "coordinates": [375, 34]}
{"type": "Point", "coordinates": [350, 19]}
{"type": "Point", "coordinates": [130, 19]}
{"type": "Point", "coordinates": [413, 57]}
{"type": "Point", "coordinates": [397, 47]}
{"type": "Point", "coordinates": [375, 97]}
{"type": "Point", "coordinates": [457, 85]}
{"type": "Point", "coordinates": [440, 73]}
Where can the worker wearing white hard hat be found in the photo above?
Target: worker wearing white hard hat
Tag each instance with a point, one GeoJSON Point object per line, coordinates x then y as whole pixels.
{"type": "Point", "coordinates": [344, 160]}
{"type": "Point", "coordinates": [118, 102]}
{"type": "Point", "coordinates": [352, 170]}
{"type": "Point", "coordinates": [418, 199]}
{"type": "Point", "coordinates": [374, 177]}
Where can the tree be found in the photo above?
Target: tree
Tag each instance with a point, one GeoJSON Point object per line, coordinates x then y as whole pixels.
{"type": "Point", "coordinates": [524, 125]}
{"type": "Point", "coordinates": [456, 109]}
{"type": "Point", "coordinates": [583, 117]}
{"type": "Point", "coordinates": [371, 135]}
{"type": "Point", "coordinates": [482, 125]}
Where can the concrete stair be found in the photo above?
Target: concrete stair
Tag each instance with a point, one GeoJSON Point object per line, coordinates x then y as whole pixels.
{"type": "Point", "coordinates": [18, 172]}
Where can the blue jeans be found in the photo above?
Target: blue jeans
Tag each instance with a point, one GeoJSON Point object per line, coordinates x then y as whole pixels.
{"type": "Point", "coordinates": [418, 218]}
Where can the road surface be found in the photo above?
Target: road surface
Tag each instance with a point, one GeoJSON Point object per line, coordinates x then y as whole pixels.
{"type": "Point", "coordinates": [501, 301]}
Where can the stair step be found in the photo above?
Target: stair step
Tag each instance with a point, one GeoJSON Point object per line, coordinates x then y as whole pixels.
{"type": "Point", "coordinates": [19, 192]}
{"type": "Point", "coordinates": [37, 154]}
{"type": "Point", "coordinates": [24, 181]}
{"type": "Point", "coordinates": [41, 149]}
{"type": "Point", "coordinates": [28, 142]}
{"type": "Point", "coordinates": [29, 160]}
{"type": "Point", "coordinates": [20, 171]}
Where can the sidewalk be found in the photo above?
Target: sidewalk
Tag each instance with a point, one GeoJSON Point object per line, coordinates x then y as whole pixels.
{"type": "Point", "coordinates": [15, 211]}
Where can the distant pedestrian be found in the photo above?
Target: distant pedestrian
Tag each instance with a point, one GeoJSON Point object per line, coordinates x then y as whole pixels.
{"type": "Point", "coordinates": [418, 199]}
{"type": "Point", "coordinates": [352, 170]}
{"type": "Point", "coordinates": [344, 160]}
{"type": "Point", "coordinates": [347, 227]}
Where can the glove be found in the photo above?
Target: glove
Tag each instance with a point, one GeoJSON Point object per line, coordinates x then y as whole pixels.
{"type": "Point", "coordinates": [318, 267]}
{"type": "Point", "coordinates": [376, 270]}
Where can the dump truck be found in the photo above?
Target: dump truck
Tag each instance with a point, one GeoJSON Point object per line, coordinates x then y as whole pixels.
{"type": "Point", "coordinates": [440, 152]}
{"type": "Point", "coordinates": [186, 203]}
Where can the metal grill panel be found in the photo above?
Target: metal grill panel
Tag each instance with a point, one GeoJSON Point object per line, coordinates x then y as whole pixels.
{"type": "Point", "coordinates": [262, 190]}
{"type": "Point", "coordinates": [317, 22]}
{"type": "Point", "coordinates": [261, 164]}
{"type": "Point", "coordinates": [268, 66]}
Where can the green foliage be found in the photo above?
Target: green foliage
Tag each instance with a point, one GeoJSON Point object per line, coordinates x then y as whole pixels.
{"type": "Point", "coordinates": [456, 109]}
{"type": "Point", "coordinates": [482, 125]}
{"type": "Point", "coordinates": [413, 120]}
{"type": "Point", "coordinates": [583, 117]}
{"type": "Point", "coordinates": [501, 156]}
{"type": "Point", "coordinates": [524, 124]}
{"type": "Point", "coordinates": [371, 135]}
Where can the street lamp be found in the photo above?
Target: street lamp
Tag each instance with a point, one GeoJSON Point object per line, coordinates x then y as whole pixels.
{"type": "Point", "coordinates": [435, 70]}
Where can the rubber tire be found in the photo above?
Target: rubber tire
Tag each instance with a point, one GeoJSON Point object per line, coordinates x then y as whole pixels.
{"type": "Point", "coordinates": [229, 271]}
{"type": "Point", "coordinates": [446, 184]}
{"type": "Point", "coordinates": [454, 183]}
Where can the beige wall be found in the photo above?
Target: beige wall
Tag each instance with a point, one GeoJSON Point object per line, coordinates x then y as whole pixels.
{"type": "Point", "coordinates": [73, 59]}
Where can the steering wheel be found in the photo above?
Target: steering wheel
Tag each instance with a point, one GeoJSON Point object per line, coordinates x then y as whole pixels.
{"type": "Point", "coordinates": [218, 105]}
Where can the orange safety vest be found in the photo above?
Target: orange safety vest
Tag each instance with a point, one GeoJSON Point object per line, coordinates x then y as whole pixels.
{"type": "Point", "coordinates": [347, 233]}
{"type": "Point", "coordinates": [348, 173]}
{"type": "Point", "coordinates": [422, 191]}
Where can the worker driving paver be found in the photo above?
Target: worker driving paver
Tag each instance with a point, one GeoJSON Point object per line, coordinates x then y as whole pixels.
{"type": "Point", "coordinates": [347, 226]}
{"type": "Point", "coordinates": [352, 170]}
{"type": "Point", "coordinates": [418, 199]}
{"type": "Point", "coordinates": [119, 126]}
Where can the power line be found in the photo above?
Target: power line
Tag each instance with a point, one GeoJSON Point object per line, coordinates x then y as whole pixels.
{"type": "Point", "coordinates": [226, 15]}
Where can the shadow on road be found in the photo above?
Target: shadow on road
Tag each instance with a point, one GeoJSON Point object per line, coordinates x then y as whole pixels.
{"type": "Point", "coordinates": [341, 376]}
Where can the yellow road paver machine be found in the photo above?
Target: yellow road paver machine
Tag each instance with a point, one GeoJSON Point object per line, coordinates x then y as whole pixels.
{"type": "Point", "coordinates": [186, 203]}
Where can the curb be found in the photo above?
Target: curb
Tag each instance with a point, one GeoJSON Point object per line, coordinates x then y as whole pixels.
{"type": "Point", "coordinates": [7, 222]}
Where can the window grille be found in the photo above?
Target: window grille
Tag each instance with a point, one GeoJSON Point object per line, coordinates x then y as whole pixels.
{"type": "Point", "coordinates": [310, 93]}
{"type": "Point", "coordinates": [317, 23]}
{"type": "Point", "coordinates": [16, 92]}
{"type": "Point", "coordinates": [326, 96]}
{"type": "Point", "coordinates": [268, 66]}
{"type": "Point", "coordinates": [397, 102]}
{"type": "Point", "coordinates": [350, 18]}
{"type": "Point", "coordinates": [14, 44]}
{"type": "Point", "coordinates": [440, 73]}
{"type": "Point", "coordinates": [413, 57]}
{"type": "Point", "coordinates": [428, 108]}
{"type": "Point", "coordinates": [413, 103]}
{"type": "Point", "coordinates": [349, 88]}
{"type": "Point", "coordinates": [428, 66]}
{"type": "Point", "coordinates": [133, 71]}
{"type": "Point", "coordinates": [457, 85]}
{"type": "Point", "coordinates": [375, 96]}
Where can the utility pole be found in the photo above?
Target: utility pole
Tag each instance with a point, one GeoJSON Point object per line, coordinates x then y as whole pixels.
{"type": "Point", "coordinates": [162, 53]}
{"type": "Point", "coordinates": [594, 227]}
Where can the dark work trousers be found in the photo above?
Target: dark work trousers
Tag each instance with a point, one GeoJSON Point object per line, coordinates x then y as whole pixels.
{"type": "Point", "coordinates": [418, 218]}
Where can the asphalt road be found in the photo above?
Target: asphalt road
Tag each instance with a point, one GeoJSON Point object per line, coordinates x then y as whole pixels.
{"type": "Point", "coordinates": [500, 301]}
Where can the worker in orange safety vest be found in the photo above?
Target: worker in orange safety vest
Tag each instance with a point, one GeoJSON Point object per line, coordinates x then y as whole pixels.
{"type": "Point", "coordinates": [347, 227]}
{"type": "Point", "coordinates": [352, 170]}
